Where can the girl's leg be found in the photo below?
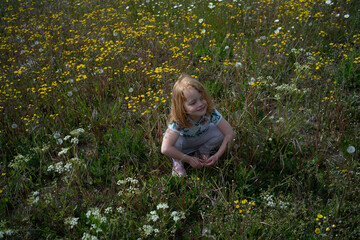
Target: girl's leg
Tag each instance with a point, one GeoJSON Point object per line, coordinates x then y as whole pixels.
{"type": "Point", "coordinates": [214, 138]}
{"type": "Point", "coordinates": [178, 166]}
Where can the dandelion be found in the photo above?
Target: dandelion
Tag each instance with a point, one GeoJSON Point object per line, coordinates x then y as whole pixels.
{"type": "Point", "coordinates": [226, 47]}
{"type": "Point", "coordinates": [252, 80]}
{"type": "Point", "coordinates": [69, 93]}
{"type": "Point", "coordinates": [317, 230]}
{"type": "Point", "coordinates": [350, 149]}
{"type": "Point", "coordinates": [131, 90]}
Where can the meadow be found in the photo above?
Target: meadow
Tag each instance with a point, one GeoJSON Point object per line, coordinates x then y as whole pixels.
{"type": "Point", "coordinates": [85, 94]}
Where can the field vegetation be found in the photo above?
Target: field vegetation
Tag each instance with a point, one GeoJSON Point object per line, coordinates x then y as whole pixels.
{"type": "Point", "coordinates": [85, 93]}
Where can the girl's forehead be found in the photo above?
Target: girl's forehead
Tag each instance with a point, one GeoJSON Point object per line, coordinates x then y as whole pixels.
{"type": "Point", "coordinates": [191, 93]}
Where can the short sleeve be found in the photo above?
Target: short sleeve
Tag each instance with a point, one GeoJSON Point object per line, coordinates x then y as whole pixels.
{"type": "Point", "coordinates": [215, 117]}
{"type": "Point", "coordinates": [175, 127]}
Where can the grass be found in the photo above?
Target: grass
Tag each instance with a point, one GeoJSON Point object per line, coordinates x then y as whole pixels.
{"type": "Point", "coordinates": [85, 93]}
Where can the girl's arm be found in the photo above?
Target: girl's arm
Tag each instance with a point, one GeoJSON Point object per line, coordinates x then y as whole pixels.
{"type": "Point", "coordinates": [168, 149]}
{"type": "Point", "coordinates": [229, 135]}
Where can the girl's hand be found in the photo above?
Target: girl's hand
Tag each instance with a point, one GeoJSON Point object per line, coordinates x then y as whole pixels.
{"type": "Point", "coordinates": [196, 162]}
{"type": "Point", "coordinates": [211, 160]}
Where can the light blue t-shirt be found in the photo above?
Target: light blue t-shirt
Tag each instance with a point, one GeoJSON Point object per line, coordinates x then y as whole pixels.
{"type": "Point", "coordinates": [198, 128]}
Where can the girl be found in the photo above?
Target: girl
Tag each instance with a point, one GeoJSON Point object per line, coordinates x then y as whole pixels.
{"type": "Point", "coordinates": [194, 126]}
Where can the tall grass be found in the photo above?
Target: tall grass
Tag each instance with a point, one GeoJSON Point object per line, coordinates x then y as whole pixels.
{"type": "Point", "coordinates": [85, 93]}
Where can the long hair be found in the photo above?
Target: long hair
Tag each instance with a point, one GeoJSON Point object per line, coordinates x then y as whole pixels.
{"type": "Point", "coordinates": [178, 113]}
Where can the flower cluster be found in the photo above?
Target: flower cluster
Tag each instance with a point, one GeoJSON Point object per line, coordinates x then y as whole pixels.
{"type": "Point", "coordinates": [244, 206]}
{"type": "Point", "coordinates": [323, 225]}
{"type": "Point", "coordinates": [19, 161]}
{"type": "Point", "coordinates": [156, 218]}
{"type": "Point", "coordinates": [130, 187]}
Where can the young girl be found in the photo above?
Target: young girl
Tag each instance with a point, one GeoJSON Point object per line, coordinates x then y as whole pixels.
{"type": "Point", "coordinates": [194, 126]}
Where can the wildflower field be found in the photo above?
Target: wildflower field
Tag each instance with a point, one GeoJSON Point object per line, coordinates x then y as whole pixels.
{"type": "Point", "coordinates": [85, 93]}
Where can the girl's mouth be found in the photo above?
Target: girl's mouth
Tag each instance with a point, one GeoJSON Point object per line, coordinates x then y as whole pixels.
{"type": "Point", "coordinates": [201, 109]}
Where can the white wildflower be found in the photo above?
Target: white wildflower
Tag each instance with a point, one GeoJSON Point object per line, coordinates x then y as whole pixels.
{"type": "Point", "coordinates": [69, 93]}
{"type": "Point", "coordinates": [120, 209]}
{"type": "Point", "coordinates": [71, 221]}
{"type": "Point", "coordinates": [346, 16]}
{"type": "Point", "coordinates": [153, 216]}
{"type": "Point", "coordinates": [74, 141]}
{"type": "Point", "coordinates": [87, 236]}
{"type": "Point", "coordinates": [59, 141]}
{"type": "Point", "coordinates": [269, 200]}
{"type": "Point", "coordinates": [328, 2]}
{"type": "Point", "coordinates": [67, 137]}
{"type": "Point", "coordinates": [59, 167]}
{"type": "Point", "coordinates": [14, 125]}
{"type": "Point", "coordinates": [350, 149]}
{"type": "Point", "coordinates": [34, 198]}
{"type": "Point", "coordinates": [201, 20]}
{"type": "Point", "coordinates": [162, 206]}
{"type": "Point", "coordinates": [108, 210]}
{"type": "Point", "coordinates": [211, 5]}
{"type": "Point", "coordinates": [238, 65]}
{"type": "Point", "coordinates": [56, 135]}
{"type": "Point", "coordinates": [276, 21]}
{"type": "Point", "coordinates": [63, 151]}
{"type": "Point", "coordinates": [147, 230]}
{"type": "Point", "coordinates": [77, 132]}
{"type": "Point", "coordinates": [68, 167]}
{"type": "Point", "coordinates": [177, 216]}
{"type": "Point", "coordinates": [277, 31]}
{"type": "Point", "coordinates": [131, 90]}
{"type": "Point", "coordinates": [50, 168]}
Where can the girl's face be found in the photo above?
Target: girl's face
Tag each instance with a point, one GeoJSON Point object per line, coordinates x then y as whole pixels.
{"type": "Point", "coordinates": [195, 105]}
